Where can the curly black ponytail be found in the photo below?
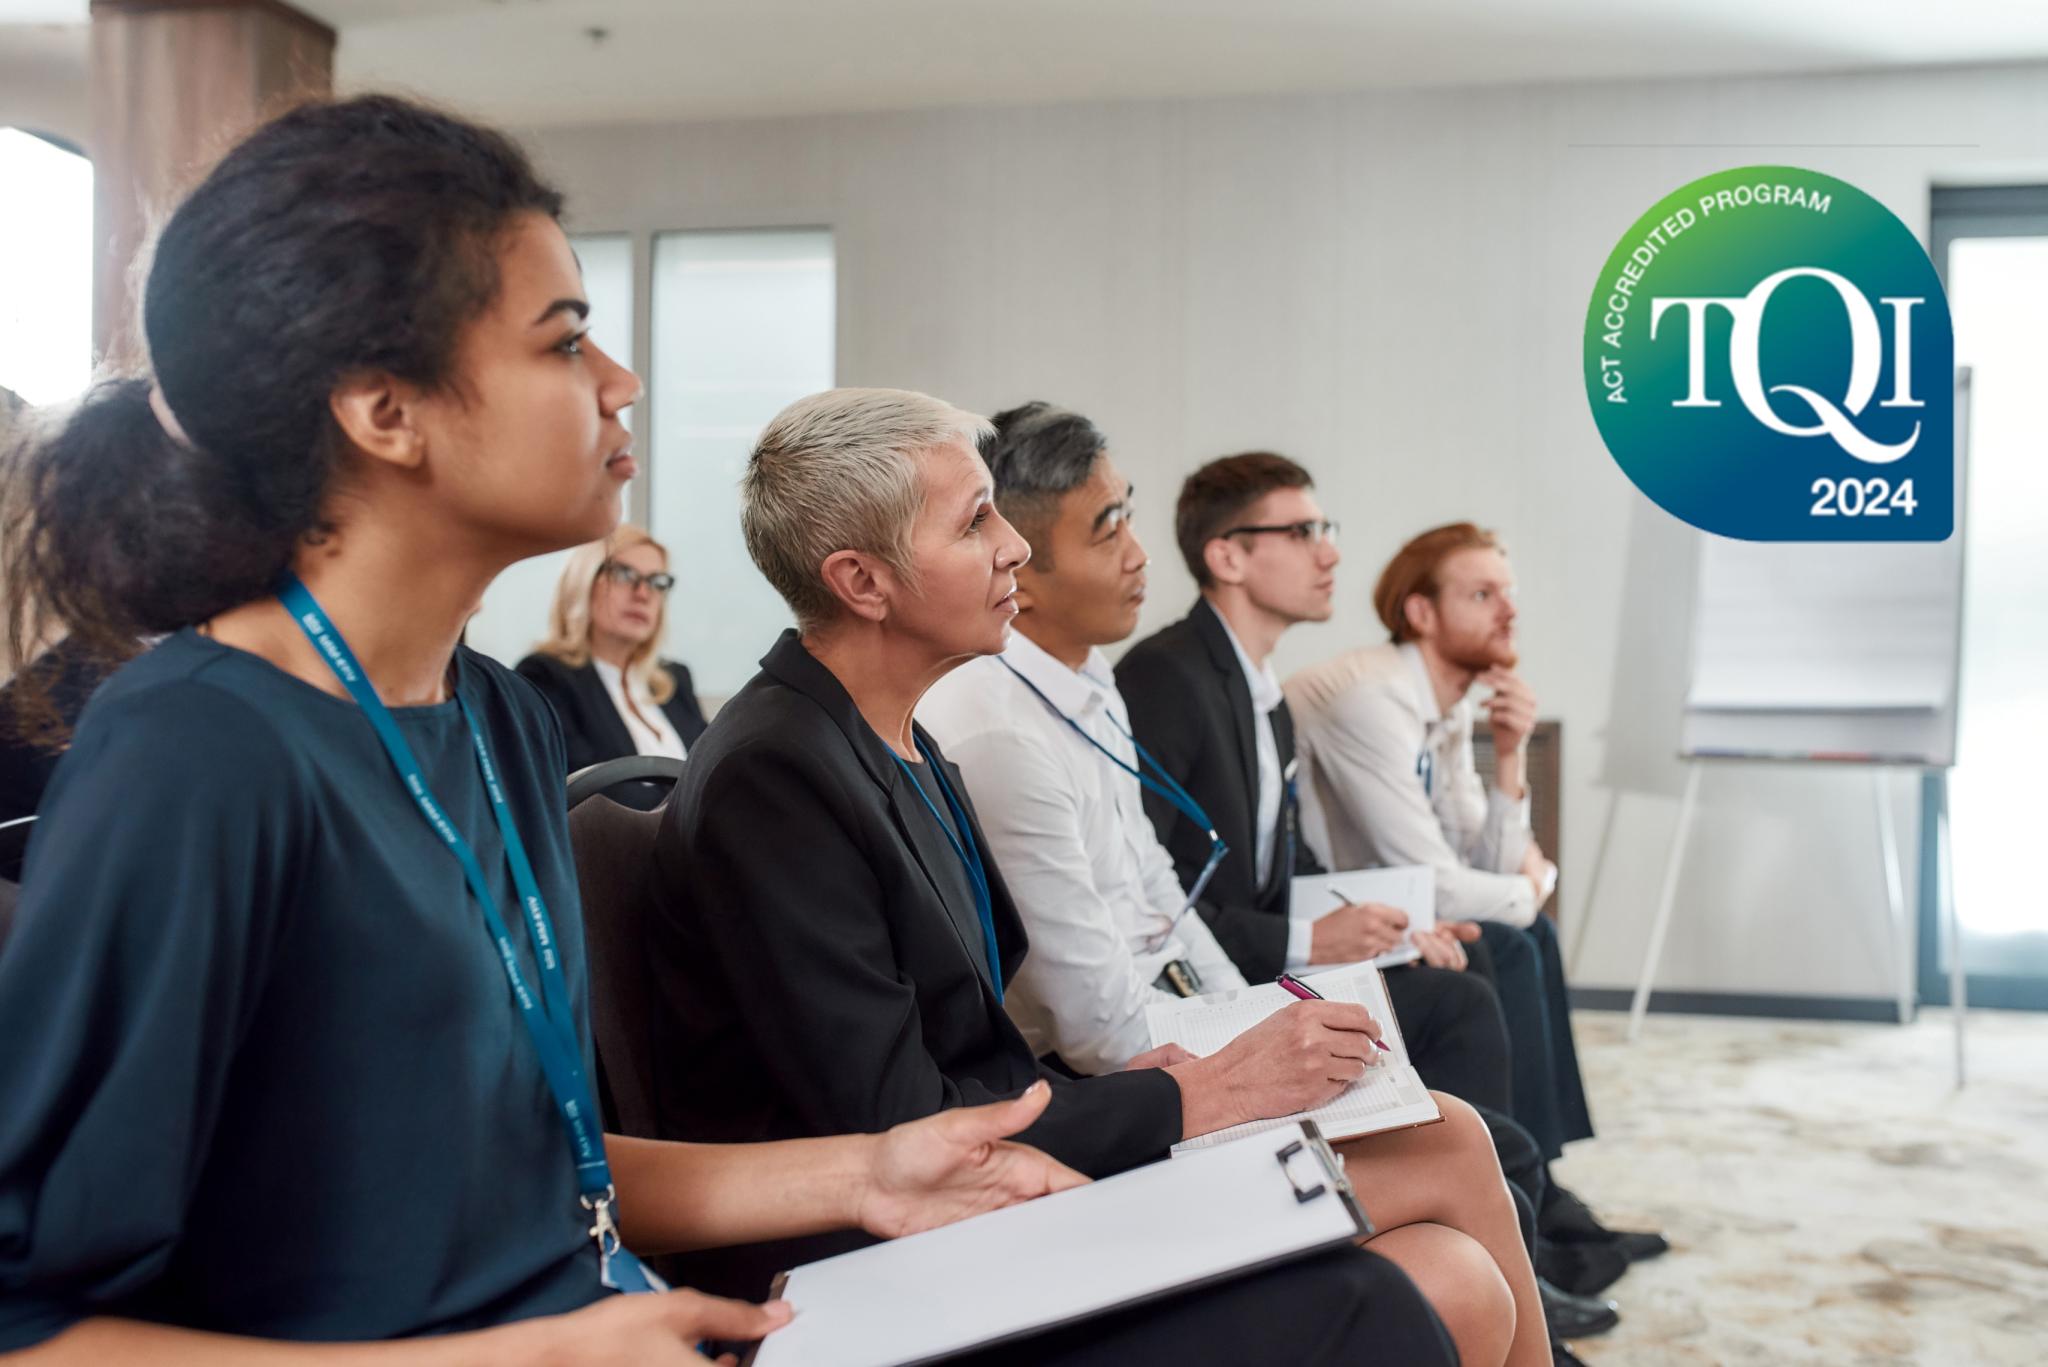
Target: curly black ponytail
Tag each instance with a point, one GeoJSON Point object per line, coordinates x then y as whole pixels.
{"type": "Point", "coordinates": [341, 237]}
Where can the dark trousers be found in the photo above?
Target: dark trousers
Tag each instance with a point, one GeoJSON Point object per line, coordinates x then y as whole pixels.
{"type": "Point", "coordinates": [1522, 1164]}
{"type": "Point", "coordinates": [1458, 1041]}
{"type": "Point", "coordinates": [1526, 968]}
{"type": "Point", "coordinates": [1345, 1307]}
{"type": "Point", "coordinates": [1456, 1035]}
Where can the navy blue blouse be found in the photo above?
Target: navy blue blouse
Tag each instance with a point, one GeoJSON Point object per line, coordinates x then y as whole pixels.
{"type": "Point", "coordinates": [261, 1069]}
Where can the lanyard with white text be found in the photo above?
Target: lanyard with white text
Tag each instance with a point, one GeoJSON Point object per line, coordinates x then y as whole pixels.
{"type": "Point", "coordinates": [969, 851]}
{"type": "Point", "coordinates": [549, 1021]}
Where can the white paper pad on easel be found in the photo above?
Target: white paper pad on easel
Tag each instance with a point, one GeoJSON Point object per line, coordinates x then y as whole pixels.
{"type": "Point", "coordinates": [1406, 887]}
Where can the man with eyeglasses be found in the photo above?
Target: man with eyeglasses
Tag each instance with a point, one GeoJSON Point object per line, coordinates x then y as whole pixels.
{"type": "Point", "coordinates": [1204, 704]}
{"type": "Point", "coordinates": [1389, 777]}
{"type": "Point", "coordinates": [1204, 698]}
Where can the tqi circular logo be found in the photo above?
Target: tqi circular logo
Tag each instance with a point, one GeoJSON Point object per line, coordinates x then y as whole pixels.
{"type": "Point", "coordinates": [1769, 357]}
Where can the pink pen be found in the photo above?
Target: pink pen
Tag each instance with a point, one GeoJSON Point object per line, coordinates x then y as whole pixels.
{"type": "Point", "coordinates": [1296, 987]}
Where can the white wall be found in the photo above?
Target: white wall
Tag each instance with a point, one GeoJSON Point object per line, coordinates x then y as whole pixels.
{"type": "Point", "coordinates": [43, 85]}
{"type": "Point", "coordinates": [1390, 288]}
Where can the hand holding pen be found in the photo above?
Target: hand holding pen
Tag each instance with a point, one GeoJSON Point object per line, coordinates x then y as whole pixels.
{"type": "Point", "coordinates": [1294, 1060]}
{"type": "Point", "coordinates": [1355, 931]}
{"type": "Point", "coordinates": [1295, 987]}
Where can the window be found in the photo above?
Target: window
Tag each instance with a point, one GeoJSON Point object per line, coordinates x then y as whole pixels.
{"type": "Point", "coordinates": [743, 325]}
{"type": "Point", "coordinates": [45, 269]}
{"type": "Point", "coordinates": [1993, 246]}
{"type": "Point", "coordinates": [515, 611]}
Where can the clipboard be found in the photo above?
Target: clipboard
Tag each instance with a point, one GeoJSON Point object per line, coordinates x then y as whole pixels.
{"type": "Point", "coordinates": [1141, 1236]}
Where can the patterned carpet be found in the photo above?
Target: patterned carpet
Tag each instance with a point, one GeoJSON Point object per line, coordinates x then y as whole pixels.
{"type": "Point", "coordinates": [1829, 1196]}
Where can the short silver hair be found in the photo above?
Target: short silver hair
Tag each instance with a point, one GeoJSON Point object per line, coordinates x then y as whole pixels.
{"type": "Point", "coordinates": [838, 472]}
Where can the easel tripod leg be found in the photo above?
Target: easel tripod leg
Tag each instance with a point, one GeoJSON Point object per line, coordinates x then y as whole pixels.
{"type": "Point", "coordinates": [1951, 920]}
{"type": "Point", "coordinates": [1584, 921]}
{"type": "Point", "coordinates": [1665, 899]}
{"type": "Point", "coordinates": [1895, 894]}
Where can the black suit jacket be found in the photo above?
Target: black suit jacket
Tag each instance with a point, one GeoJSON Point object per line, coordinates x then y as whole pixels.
{"type": "Point", "coordinates": [592, 728]}
{"type": "Point", "coordinates": [812, 978]}
{"type": "Point", "coordinates": [1191, 707]}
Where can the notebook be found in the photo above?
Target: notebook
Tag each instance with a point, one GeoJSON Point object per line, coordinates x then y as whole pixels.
{"type": "Point", "coordinates": [1389, 1097]}
{"type": "Point", "coordinates": [1409, 887]}
{"type": "Point", "coordinates": [1151, 1232]}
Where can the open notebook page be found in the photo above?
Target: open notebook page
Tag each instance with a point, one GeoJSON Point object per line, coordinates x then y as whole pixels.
{"type": "Point", "coordinates": [1389, 1097]}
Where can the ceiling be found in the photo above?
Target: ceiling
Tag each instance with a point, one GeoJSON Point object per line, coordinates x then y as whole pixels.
{"type": "Point", "coordinates": [534, 62]}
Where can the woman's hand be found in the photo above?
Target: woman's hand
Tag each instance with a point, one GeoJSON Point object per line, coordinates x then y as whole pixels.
{"type": "Point", "coordinates": [662, 1329]}
{"type": "Point", "coordinates": [1165, 1056]}
{"type": "Point", "coordinates": [948, 1166]}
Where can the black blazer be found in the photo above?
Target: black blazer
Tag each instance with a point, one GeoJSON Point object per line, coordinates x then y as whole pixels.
{"type": "Point", "coordinates": [1191, 707]}
{"type": "Point", "coordinates": [592, 728]}
{"type": "Point", "coordinates": [811, 976]}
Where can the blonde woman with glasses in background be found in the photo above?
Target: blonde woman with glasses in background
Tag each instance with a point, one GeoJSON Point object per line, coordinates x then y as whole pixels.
{"type": "Point", "coordinates": [600, 667]}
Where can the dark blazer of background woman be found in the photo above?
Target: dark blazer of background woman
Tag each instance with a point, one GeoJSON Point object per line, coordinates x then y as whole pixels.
{"type": "Point", "coordinates": [591, 724]}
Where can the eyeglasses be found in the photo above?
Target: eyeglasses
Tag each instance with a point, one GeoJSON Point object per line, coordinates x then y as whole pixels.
{"type": "Point", "coordinates": [628, 578]}
{"type": "Point", "coordinates": [1304, 532]}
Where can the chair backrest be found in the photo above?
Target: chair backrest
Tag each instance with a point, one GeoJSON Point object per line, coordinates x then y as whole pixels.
{"type": "Point", "coordinates": [614, 850]}
{"type": "Point", "coordinates": [641, 771]}
{"type": "Point", "coordinates": [14, 845]}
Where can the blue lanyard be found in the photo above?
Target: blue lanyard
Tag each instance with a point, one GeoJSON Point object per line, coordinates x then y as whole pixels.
{"type": "Point", "coordinates": [1425, 769]}
{"type": "Point", "coordinates": [969, 853]}
{"type": "Point", "coordinates": [549, 1021]}
{"type": "Point", "coordinates": [1165, 785]}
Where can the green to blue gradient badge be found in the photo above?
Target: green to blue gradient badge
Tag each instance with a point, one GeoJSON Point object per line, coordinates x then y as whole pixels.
{"type": "Point", "coordinates": [1769, 357]}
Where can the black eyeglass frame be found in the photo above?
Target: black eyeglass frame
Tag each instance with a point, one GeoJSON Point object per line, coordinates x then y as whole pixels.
{"type": "Point", "coordinates": [628, 578]}
{"type": "Point", "coordinates": [1308, 531]}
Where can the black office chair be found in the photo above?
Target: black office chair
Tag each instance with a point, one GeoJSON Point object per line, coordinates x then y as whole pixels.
{"type": "Point", "coordinates": [14, 845]}
{"type": "Point", "coordinates": [640, 781]}
{"type": "Point", "coordinates": [614, 849]}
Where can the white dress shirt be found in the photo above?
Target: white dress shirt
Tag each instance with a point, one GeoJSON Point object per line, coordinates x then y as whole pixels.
{"type": "Point", "coordinates": [1068, 830]}
{"type": "Point", "coordinates": [1267, 695]}
{"type": "Point", "coordinates": [1389, 778]}
{"type": "Point", "coordinates": [652, 736]}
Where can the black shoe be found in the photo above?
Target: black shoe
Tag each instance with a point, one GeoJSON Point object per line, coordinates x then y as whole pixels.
{"type": "Point", "coordinates": [1576, 1317]}
{"type": "Point", "coordinates": [1582, 1269]}
{"type": "Point", "coordinates": [1565, 1219]}
{"type": "Point", "coordinates": [1640, 1248]}
{"type": "Point", "coordinates": [1561, 1356]}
